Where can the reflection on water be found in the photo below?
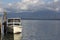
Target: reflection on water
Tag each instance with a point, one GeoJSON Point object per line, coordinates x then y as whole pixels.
{"type": "Point", "coordinates": [12, 37]}
{"type": "Point", "coordinates": [8, 37]}
{"type": "Point", "coordinates": [17, 36]}
{"type": "Point", "coordinates": [0, 36]}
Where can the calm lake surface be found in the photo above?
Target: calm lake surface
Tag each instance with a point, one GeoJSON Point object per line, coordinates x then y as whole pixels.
{"type": "Point", "coordinates": [39, 30]}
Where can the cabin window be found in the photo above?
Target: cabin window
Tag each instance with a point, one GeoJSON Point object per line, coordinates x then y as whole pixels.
{"type": "Point", "coordinates": [10, 24]}
{"type": "Point", "coordinates": [17, 20]}
{"type": "Point", "coordinates": [10, 20]}
{"type": "Point", "coordinates": [16, 24]}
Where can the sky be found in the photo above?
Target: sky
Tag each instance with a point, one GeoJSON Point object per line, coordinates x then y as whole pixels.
{"type": "Point", "coordinates": [29, 5]}
{"type": "Point", "coordinates": [10, 1]}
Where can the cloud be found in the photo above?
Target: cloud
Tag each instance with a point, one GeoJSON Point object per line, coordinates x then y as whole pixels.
{"type": "Point", "coordinates": [55, 5]}
{"type": "Point", "coordinates": [56, 0]}
{"type": "Point", "coordinates": [1, 9]}
{"type": "Point", "coordinates": [32, 5]}
{"type": "Point", "coordinates": [9, 4]}
{"type": "Point", "coordinates": [26, 5]}
{"type": "Point", "coordinates": [57, 9]}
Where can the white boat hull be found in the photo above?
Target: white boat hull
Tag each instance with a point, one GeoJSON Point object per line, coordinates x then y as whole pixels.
{"type": "Point", "coordinates": [14, 29]}
{"type": "Point", "coordinates": [17, 29]}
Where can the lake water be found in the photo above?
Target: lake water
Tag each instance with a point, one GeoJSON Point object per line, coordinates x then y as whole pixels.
{"type": "Point", "coordinates": [39, 30]}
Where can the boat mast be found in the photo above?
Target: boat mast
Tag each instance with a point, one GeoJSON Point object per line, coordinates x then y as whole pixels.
{"type": "Point", "coordinates": [5, 21]}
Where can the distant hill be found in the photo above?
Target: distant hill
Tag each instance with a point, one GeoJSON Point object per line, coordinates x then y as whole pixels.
{"type": "Point", "coordinates": [41, 14]}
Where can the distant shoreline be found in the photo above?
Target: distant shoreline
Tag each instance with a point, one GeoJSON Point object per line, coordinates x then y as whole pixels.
{"type": "Point", "coordinates": [37, 19]}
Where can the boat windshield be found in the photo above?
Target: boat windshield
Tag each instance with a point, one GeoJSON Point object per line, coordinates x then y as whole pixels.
{"type": "Point", "coordinates": [13, 20]}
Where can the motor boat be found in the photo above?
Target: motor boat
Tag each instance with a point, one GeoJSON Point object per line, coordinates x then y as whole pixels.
{"type": "Point", "coordinates": [14, 25]}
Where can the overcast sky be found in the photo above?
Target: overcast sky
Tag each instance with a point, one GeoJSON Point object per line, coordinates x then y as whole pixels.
{"type": "Point", "coordinates": [29, 5]}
